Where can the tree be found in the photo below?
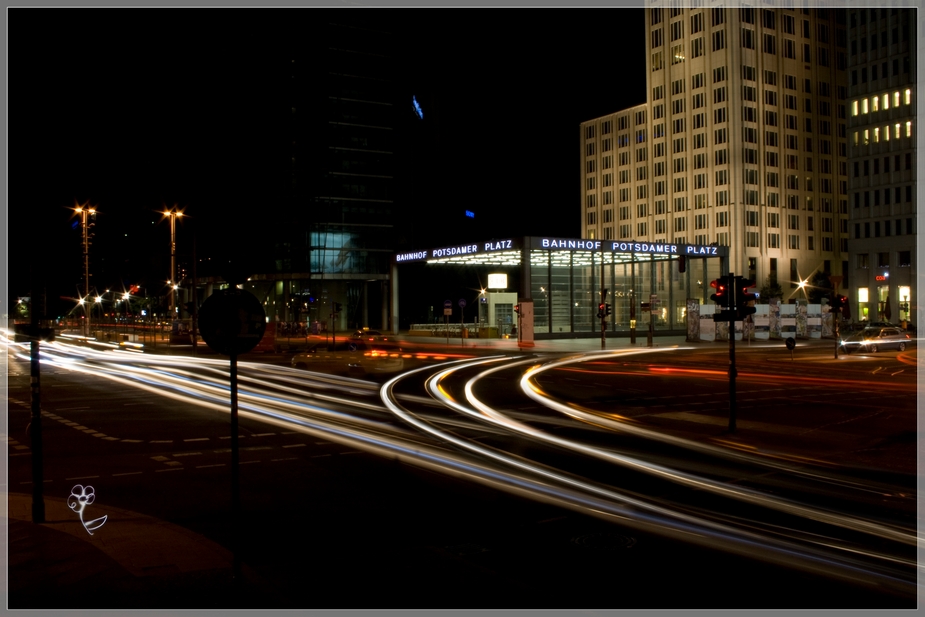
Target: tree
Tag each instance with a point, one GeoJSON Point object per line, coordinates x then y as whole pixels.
{"type": "Point", "coordinates": [770, 289]}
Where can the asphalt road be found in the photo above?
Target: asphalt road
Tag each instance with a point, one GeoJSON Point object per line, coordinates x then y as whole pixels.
{"type": "Point", "coordinates": [330, 526]}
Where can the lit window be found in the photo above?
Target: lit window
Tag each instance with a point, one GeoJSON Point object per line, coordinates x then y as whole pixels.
{"type": "Point", "coordinates": [886, 101]}
{"type": "Point", "coordinates": [855, 138]}
{"type": "Point", "coordinates": [875, 104]}
{"type": "Point", "coordinates": [886, 136]}
{"type": "Point", "coordinates": [876, 134]}
{"type": "Point", "coordinates": [896, 135]}
{"type": "Point", "coordinates": [896, 99]}
{"type": "Point", "coordinates": [864, 106]}
{"type": "Point", "coordinates": [854, 108]}
{"type": "Point", "coordinates": [862, 294]}
{"type": "Point", "coordinates": [908, 100]}
{"type": "Point", "coordinates": [909, 128]}
{"type": "Point", "coordinates": [867, 137]}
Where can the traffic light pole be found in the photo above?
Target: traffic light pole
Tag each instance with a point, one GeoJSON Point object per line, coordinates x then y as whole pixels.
{"type": "Point", "coordinates": [732, 370]}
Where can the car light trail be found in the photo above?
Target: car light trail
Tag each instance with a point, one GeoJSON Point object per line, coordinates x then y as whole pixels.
{"type": "Point", "coordinates": [704, 531]}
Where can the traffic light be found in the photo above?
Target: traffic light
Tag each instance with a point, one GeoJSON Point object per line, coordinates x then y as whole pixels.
{"type": "Point", "coordinates": [840, 302]}
{"type": "Point", "coordinates": [720, 298]}
{"type": "Point", "coordinates": [743, 298]}
{"type": "Point", "coordinates": [607, 310]}
{"type": "Point", "coordinates": [600, 310]}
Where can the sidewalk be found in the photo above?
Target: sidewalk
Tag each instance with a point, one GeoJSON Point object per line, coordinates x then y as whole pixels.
{"type": "Point", "coordinates": [132, 560]}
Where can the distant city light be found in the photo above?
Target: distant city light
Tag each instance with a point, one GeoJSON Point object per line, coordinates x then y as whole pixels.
{"type": "Point", "coordinates": [417, 107]}
{"type": "Point", "coordinates": [470, 214]}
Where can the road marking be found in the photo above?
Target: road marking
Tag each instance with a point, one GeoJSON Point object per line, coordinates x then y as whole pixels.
{"type": "Point", "coordinates": [82, 478]}
{"type": "Point", "coordinates": [351, 452]}
{"type": "Point", "coordinates": [283, 459]}
{"type": "Point", "coordinates": [21, 447]}
{"type": "Point", "coordinates": [171, 469]}
{"type": "Point", "coordinates": [198, 439]}
{"type": "Point", "coordinates": [247, 462]}
{"type": "Point", "coordinates": [129, 473]}
{"type": "Point", "coordinates": [30, 482]}
{"type": "Point", "coordinates": [159, 458]}
{"type": "Point", "coordinates": [162, 441]}
{"type": "Point", "coordinates": [71, 408]}
{"type": "Point", "coordinates": [187, 453]}
{"type": "Point", "coordinates": [204, 466]}
{"type": "Point", "coordinates": [290, 432]}
{"type": "Point", "coordinates": [131, 440]}
{"type": "Point", "coordinates": [322, 443]}
{"type": "Point", "coordinates": [110, 439]}
{"type": "Point", "coordinates": [263, 434]}
{"type": "Point", "coordinates": [129, 404]}
{"type": "Point", "coordinates": [258, 448]}
{"type": "Point", "coordinates": [100, 435]}
{"type": "Point", "coordinates": [229, 436]}
{"type": "Point", "coordinates": [173, 463]}
{"type": "Point", "coordinates": [295, 445]}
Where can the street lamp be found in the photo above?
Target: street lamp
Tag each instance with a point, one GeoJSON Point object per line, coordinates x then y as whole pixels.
{"type": "Point", "coordinates": [173, 214]}
{"type": "Point", "coordinates": [87, 216]}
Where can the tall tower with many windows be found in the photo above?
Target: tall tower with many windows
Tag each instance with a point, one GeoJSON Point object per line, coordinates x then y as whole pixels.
{"type": "Point", "coordinates": [882, 192]}
{"type": "Point", "coordinates": [743, 142]}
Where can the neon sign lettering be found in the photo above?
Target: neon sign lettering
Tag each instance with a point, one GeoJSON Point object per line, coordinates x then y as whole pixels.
{"type": "Point", "coordinates": [80, 498]}
{"type": "Point", "coordinates": [455, 250]}
{"type": "Point", "coordinates": [499, 245]}
{"type": "Point", "coordinates": [407, 256]}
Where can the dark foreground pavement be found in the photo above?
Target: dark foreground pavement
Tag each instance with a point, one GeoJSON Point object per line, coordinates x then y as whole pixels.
{"type": "Point", "coordinates": [401, 550]}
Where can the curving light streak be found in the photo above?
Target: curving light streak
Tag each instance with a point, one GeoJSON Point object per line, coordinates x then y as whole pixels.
{"type": "Point", "coordinates": [370, 438]}
{"type": "Point", "coordinates": [531, 389]}
{"type": "Point", "coordinates": [488, 414]}
{"type": "Point", "coordinates": [808, 558]}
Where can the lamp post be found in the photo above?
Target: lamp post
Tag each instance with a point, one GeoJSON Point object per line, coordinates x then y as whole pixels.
{"type": "Point", "coordinates": [87, 216]}
{"type": "Point", "coordinates": [173, 214]}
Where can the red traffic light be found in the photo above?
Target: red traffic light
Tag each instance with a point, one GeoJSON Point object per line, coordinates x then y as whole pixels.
{"type": "Point", "coordinates": [720, 298]}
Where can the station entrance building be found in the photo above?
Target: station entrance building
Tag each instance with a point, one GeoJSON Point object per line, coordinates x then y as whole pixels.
{"type": "Point", "coordinates": [561, 280]}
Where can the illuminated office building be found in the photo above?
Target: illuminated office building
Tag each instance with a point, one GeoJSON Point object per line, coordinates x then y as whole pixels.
{"type": "Point", "coordinates": [742, 142]}
{"type": "Point", "coordinates": [881, 147]}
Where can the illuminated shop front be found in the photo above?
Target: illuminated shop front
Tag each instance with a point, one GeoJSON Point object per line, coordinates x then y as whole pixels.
{"type": "Point", "coordinates": [563, 278]}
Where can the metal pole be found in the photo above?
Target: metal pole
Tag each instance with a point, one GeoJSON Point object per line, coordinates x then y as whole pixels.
{"type": "Point", "coordinates": [730, 289]}
{"type": "Point", "coordinates": [173, 266]}
{"type": "Point", "coordinates": [235, 494]}
{"type": "Point", "coordinates": [35, 428]}
{"type": "Point", "coordinates": [86, 238]}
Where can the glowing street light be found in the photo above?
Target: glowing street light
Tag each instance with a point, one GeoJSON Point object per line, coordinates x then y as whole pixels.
{"type": "Point", "coordinates": [173, 213]}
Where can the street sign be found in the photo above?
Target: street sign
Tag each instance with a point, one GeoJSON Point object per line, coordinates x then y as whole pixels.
{"type": "Point", "coordinates": [447, 304]}
{"type": "Point", "coordinates": [644, 306]}
{"type": "Point", "coordinates": [462, 303]}
{"type": "Point", "coordinates": [790, 343]}
{"type": "Point", "coordinates": [232, 321]}
{"type": "Point", "coordinates": [447, 311]}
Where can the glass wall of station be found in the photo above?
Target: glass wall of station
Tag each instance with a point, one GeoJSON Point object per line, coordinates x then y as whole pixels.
{"type": "Point", "coordinates": [566, 290]}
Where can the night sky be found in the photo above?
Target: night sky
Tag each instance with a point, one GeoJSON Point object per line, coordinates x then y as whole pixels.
{"type": "Point", "coordinates": [131, 109]}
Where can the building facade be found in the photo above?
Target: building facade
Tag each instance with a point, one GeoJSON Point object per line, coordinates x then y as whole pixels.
{"type": "Point", "coordinates": [742, 142]}
{"type": "Point", "coordinates": [882, 185]}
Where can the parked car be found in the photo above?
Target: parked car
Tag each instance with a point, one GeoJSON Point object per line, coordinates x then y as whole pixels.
{"type": "Point", "coordinates": [872, 340]}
